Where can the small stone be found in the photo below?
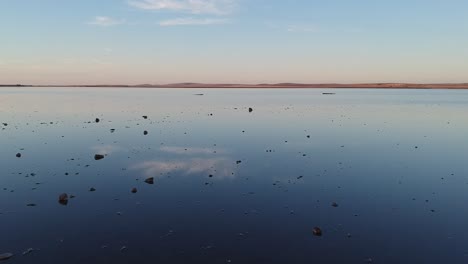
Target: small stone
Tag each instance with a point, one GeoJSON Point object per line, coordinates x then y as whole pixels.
{"type": "Point", "coordinates": [18, 155]}
{"type": "Point", "coordinates": [150, 180]}
{"type": "Point", "coordinates": [145, 117]}
{"type": "Point", "coordinates": [134, 190]}
{"type": "Point", "coordinates": [31, 205]}
{"type": "Point", "coordinates": [6, 256]}
{"type": "Point", "coordinates": [334, 204]}
{"type": "Point", "coordinates": [63, 199]}
{"type": "Point", "coordinates": [239, 162]}
{"type": "Point", "coordinates": [145, 132]}
{"type": "Point", "coordinates": [28, 251]}
{"type": "Point", "coordinates": [98, 157]}
{"type": "Point", "coordinates": [92, 189]}
{"type": "Point", "coordinates": [317, 231]}
{"type": "Point", "coordinates": [97, 120]}
{"type": "Point", "coordinates": [250, 110]}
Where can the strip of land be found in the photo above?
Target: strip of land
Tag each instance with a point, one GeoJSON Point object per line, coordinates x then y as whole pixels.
{"type": "Point", "coordinates": [276, 85]}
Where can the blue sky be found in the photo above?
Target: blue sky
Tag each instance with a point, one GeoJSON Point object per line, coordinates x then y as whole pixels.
{"type": "Point", "coordinates": [233, 41]}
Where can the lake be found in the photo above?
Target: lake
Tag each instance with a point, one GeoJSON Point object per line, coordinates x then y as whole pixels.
{"type": "Point", "coordinates": [195, 176]}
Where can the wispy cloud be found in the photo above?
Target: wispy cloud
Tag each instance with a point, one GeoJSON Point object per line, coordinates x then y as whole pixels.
{"type": "Point", "coordinates": [189, 21]}
{"type": "Point", "coordinates": [303, 28]}
{"type": "Point", "coordinates": [104, 21]}
{"type": "Point", "coordinates": [213, 7]}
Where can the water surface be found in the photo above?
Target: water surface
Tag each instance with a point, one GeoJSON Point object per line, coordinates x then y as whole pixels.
{"type": "Point", "coordinates": [233, 186]}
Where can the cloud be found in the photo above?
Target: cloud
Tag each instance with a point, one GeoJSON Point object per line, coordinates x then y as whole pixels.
{"type": "Point", "coordinates": [303, 28]}
{"type": "Point", "coordinates": [213, 7]}
{"type": "Point", "coordinates": [192, 22]}
{"type": "Point", "coordinates": [104, 21]}
{"type": "Point", "coordinates": [220, 167]}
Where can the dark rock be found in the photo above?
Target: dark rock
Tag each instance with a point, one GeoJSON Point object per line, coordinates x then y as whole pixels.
{"type": "Point", "coordinates": [28, 251]}
{"type": "Point", "coordinates": [145, 132]}
{"type": "Point", "coordinates": [31, 205]}
{"type": "Point", "coordinates": [63, 199]}
{"type": "Point", "coordinates": [6, 256]}
{"type": "Point", "coordinates": [334, 204]}
{"type": "Point", "coordinates": [239, 162]}
{"type": "Point", "coordinates": [317, 231]}
{"type": "Point", "coordinates": [97, 120]}
{"type": "Point", "coordinates": [145, 117]}
{"type": "Point", "coordinates": [18, 155]}
{"type": "Point", "coordinates": [92, 189]}
{"type": "Point", "coordinates": [134, 190]}
{"type": "Point", "coordinates": [150, 180]}
{"type": "Point", "coordinates": [250, 110]}
{"type": "Point", "coordinates": [98, 157]}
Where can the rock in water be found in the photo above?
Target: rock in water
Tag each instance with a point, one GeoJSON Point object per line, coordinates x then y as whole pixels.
{"type": "Point", "coordinates": [134, 190]}
{"type": "Point", "coordinates": [5, 256]}
{"type": "Point", "coordinates": [97, 120]}
{"type": "Point", "coordinates": [150, 180]}
{"type": "Point", "coordinates": [317, 231]}
{"type": "Point", "coordinates": [145, 117]}
{"type": "Point", "coordinates": [98, 157]}
{"type": "Point", "coordinates": [18, 155]}
{"type": "Point", "coordinates": [92, 189]}
{"type": "Point", "coordinates": [63, 199]}
{"type": "Point", "coordinates": [145, 133]}
{"type": "Point", "coordinates": [28, 251]}
{"type": "Point", "coordinates": [250, 110]}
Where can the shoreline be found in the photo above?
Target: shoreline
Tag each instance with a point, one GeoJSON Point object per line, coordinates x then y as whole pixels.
{"type": "Point", "coordinates": [458, 86]}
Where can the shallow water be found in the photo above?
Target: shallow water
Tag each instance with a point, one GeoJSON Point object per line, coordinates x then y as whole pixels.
{"type": "Point", "coordinates": [394, 161]}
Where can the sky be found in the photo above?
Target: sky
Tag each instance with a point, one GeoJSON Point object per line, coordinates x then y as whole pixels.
{"type": "Point", "coordinates": [233, 41]}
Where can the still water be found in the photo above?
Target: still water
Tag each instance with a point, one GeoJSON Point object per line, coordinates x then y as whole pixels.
{"type": "Point", "coordinates": [382, 173]}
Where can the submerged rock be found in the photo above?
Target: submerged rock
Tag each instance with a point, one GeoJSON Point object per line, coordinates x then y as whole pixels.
{"type": "Point", "coordinates": [92, 189]}
{"type": "Point", "coordinates": [98, 157]}
{"type": "Point", "coordinates": [18, 155]}
{"type": "Point", "coordinates": [28, 251]}
{"type": "Point", "coordinates": [334, 204]}
{"type": "Point", "coordinates": [134, 190]}
{"type": "Point", "coordinates": [150, 180]}
{"type": "Point", "coordinates": [31, 204]}
{"type": "Point", "coordinates": [6, 256]}
{"type": "Point", "coordinates": [63, 199]}
{"type": "Point", "coordinates": [145, 132]}
{"type": "Point", "coordinates": [317, 231]}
